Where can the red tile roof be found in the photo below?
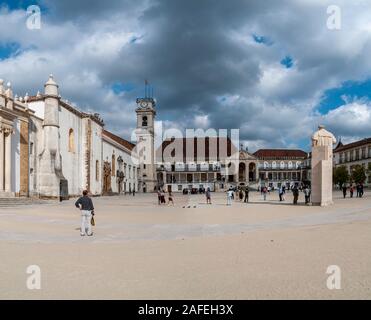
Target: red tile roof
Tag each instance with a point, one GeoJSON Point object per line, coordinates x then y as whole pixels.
{"type": "Point", "coordinates": [360, 143]}
{"type": "Point", "coordinates": [119, 140]}
{"type": "Point", "coordinates": [280, 153]}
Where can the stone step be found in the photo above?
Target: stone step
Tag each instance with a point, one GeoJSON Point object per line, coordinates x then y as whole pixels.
{"type": "Point", "coordinates": [14, 201]}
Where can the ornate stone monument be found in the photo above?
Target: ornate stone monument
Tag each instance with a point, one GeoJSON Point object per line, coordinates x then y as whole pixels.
{"type": "Point", "coordinates": [322, 164]}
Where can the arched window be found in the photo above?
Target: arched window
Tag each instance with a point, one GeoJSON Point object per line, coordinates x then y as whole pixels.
{"type": "Point", "coordinates": [144, 121]}
{"type": "Point", "coordinates": [97, 170]}
{"type": "Point", "coordinates": [71, 141]}
{"type": "Point", "coordinates": [113, 171]}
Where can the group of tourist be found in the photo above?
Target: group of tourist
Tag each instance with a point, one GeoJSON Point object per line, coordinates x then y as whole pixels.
{"type": "Point", "coordinates": [85, 204]}
{"type": "Point", "coordinates": [162, 199]}
{"type": "Point", "coordinates": [295, 192]}
{"type": "Point", "coordinates": [242, 194]}
{"type": "Point", "coordinates": [359, 189]}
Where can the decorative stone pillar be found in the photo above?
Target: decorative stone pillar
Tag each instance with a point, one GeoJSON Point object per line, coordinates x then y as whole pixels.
{"type": "Point", "coordinates": [8, 162]}
{"type": "Point", "coordinates": [1, 160]}
{"type": "Point", "coordinates": [322, 164]}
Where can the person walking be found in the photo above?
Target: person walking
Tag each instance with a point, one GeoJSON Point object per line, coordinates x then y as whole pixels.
{"type": "Point", "coordinates": [85, 204]}
{"type": "Point", "coordinates": [345, 191]}
{"type": "Point", "coordinates": [361, 190]}
{"type": "Point", "coordinates": [246, 199]}
{"type": "Point", "coordinates": [280, 193]}
{"type": "Point", "coordinates": [351, 190]}
{"type": "Point", "coordinates": [240, 194]}
{"type": "Point", "coordinates": [264, 192]}
{"type": "Point", "coordinates": [170, 198]}
{"type": "Point", "coordinates": [208, 195]}
{"type": "Point", "coordinates": [159, 196]}
{"type": "Point", "coordinates": [163, 197]}
{"type": "Point", "coordinates": [229, 196]}
{"type": "Point", "coordinates": [295, 192]}
{"type": "Point", "coordinates": [306, 194]}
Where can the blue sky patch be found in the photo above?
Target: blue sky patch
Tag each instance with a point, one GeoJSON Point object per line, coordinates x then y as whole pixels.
{"type": "Point", "coordinates": [262, 39]}
{"type": "Point", "coordinates": [333, 98]}
{"type": "Point", "coordinates": [9, 49]}
{"type": "Point", "coordinates": [119, 87]}
{"type": "Point", "coordinates": [20, 4]}
{"type": "Point", "coordinates": [287, 62]}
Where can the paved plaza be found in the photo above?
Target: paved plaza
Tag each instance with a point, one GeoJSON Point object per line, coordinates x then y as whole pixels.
{"type": "Point", "coordinates": [259, 250]}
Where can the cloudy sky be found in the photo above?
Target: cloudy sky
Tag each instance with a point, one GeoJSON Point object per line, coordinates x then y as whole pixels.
{"type": "Point", "coordinates": [271, 68]}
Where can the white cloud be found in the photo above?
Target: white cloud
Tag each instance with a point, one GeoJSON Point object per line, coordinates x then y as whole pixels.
{"type": "Point", "coordinates": [352, 119]}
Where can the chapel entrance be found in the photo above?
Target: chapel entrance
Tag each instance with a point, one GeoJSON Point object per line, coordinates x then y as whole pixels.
{"type": "Point", "coordinates": [242, 172]}
{"type": "Point", "coordinates": [107, 177]}
{"type": "Point", "coordinates": [252, 172]}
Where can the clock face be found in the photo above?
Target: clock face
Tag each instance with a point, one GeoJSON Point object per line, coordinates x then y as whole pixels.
{"type": "Point", "coordinates": [144, 104]}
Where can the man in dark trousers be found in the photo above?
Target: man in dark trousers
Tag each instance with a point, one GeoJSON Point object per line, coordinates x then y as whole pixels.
{"type": "Point", "coordinates": [246, 199]}
{"type": "Point", "coordinates": [344, 190]}
{"type": "Point", "coordinates": [85, 204]}
{"type": "Point", "coordinates": [295, 192]}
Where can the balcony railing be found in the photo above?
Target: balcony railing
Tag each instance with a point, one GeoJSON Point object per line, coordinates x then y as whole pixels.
{"type": "Point", "coordinates": [190, 168]}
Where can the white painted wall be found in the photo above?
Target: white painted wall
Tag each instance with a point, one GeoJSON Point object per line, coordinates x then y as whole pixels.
{"type": "Point", "coordinates": [130, 169]}
{"type": "Point", "coordinates": [35, 148]}
{"type": "Point", "coordinates": [71, 161]}
{"type": "Point", "coordinates": [96, 154]}
{"type": "Point", "coordinates": [38, 107]}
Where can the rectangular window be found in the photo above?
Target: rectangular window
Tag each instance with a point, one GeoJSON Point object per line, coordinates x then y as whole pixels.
{"type": "Point", "coordinates": [364, 153]}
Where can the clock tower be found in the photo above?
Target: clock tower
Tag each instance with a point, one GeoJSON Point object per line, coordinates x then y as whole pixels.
{"type": "Point", "coordinates": [146, 113]}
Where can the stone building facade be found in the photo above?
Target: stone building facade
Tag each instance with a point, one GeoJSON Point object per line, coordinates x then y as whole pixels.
{"type": "Point", "coordinates": [50, 149]}
{"type": "Point", "coordinates": [355, 153]}
{"type": "Point", "coordinates": [280, 167]}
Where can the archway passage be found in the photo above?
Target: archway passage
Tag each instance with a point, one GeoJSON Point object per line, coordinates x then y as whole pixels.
{"type": "Point", "coordinates": [252, 171]}
{"type": "Point", "coordinates": [242, 172]}
{"type": "Point", "coordinates": [107, 177]}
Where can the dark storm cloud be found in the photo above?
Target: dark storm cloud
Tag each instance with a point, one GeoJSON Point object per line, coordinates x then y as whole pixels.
{"type": "Point", "coordinates": [189, 55]}
{"type": "Point", "coordinates": [88, 10]}
{"type": "Point", "coordinates": [202, 59]}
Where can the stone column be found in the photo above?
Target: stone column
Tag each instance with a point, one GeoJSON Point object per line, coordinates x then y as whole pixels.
{"type": "Point", "coordinates": [1, 160]}
{"type": "Point", "coordinates": [322, 163]}
{"type": "Point", "coordinates": [8, 162]}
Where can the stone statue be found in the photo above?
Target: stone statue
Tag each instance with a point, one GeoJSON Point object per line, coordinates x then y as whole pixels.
{"type": "Point", "coordinates": [322, 165]}
{"type": "Point", "coordinates": [322, 137]}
